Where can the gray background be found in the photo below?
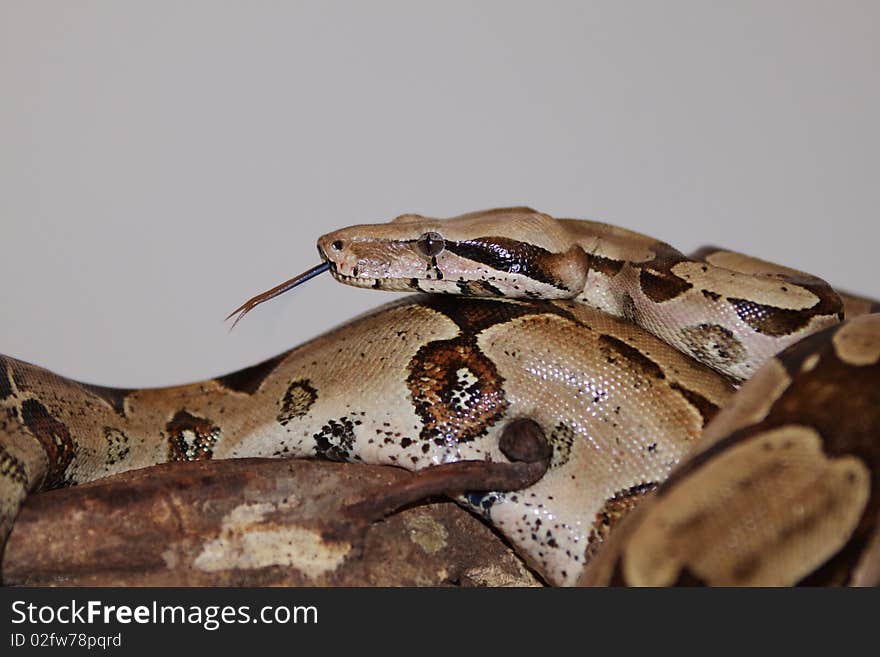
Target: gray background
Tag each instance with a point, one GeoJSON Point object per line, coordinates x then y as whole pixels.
{"type": "Point", "coordinates": [162, 161]}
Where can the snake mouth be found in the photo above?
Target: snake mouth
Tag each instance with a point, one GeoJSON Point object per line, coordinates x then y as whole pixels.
{"type": "Point", "coordinates": [356, 281]}
{"type": "Point", "coordinates": [373, 283]}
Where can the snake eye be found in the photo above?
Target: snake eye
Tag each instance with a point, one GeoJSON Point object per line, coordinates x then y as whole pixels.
{"type": "Point", "coordinates": [431, 244]}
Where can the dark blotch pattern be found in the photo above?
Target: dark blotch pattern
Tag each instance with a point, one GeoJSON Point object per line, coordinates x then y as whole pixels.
{"type": "Point", "coordinates": [687, 578]}
{"type": "Point", "coordinates": [706, 408]}
{"type": "Point", "coordinates": [606, 266]}
{"type": "Point", "coordinates": [456, 390]}
{"type": "Point", "coordinates": [660, 287]}
{"type": "Point", "coordinates": [614, 510]}
{"type": "Point", "coordinates": [511, 256]}
{"type": "Point", "coordinates": [249, 379]}
{"type": "Point", "coordinates": [561, 439]}
{"type": "Point", "coordinates": [191, 438]}
{"type": "Point", "coordinates": [619, 349]}
{"type": "Point", "coordinates": [713, 345]}
{"type": "Point", "coordinates": [656, 279]}
{"type": "Point", "coordinates": [628, 309]}
{"type": "Point", "coordinates": [115, 397]}
{"type": "Point", "coordinates": [335, 440]}
{"type": "Point", "coordinates": [297, 400]}
{"type": "Point", "coordinates": [482, 503]}
{"type": "Point", "coordinates": [11, 468]}
{"type": "Point", "coordinates": [475, 315]}
{"type": "Point", "coordinates": [478, 289]}
{"type": "Point", "coordinates": [770, 320]}
{"type": "Point", "coordinates": [54, 437]}
{"type": "Point", "coordinates": [117, 445]}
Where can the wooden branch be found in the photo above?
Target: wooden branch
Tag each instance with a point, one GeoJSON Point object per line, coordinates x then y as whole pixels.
{"type": "Point", "coordinates": [249, 522]}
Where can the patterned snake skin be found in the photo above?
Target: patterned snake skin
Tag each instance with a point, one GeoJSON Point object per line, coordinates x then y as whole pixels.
{"type": "Point", "coordinates": [626, 353]}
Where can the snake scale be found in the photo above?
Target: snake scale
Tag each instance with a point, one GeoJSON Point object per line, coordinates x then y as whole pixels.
{"type": "Point", "coordinates": [711, 418]}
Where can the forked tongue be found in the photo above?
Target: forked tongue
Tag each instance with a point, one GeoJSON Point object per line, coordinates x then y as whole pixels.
{"type": "Point", "coordinates": [253, 302]}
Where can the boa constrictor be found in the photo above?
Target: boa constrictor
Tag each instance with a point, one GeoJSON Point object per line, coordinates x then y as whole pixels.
{"type": "Point", "coordinates": [619, 347]}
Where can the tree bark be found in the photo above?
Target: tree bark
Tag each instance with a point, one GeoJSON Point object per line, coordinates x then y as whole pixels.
{"type": "Point", "coordinates": [250, 522]}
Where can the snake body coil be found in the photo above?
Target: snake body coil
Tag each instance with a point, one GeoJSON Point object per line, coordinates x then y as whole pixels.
{"type": "Point", "coordinates": [620, 348]}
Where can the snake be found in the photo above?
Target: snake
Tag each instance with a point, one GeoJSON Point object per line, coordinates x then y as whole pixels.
{"type": "Point", "coordinates": [711, 418]}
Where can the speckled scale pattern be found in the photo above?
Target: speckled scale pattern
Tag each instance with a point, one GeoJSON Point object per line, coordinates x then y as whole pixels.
{"type": "Point", "coordinates": [780, 492]}
{"type": "Point", "coordinates": [621, 348]}
{"type": "Point", "coordinates": [549, 362]}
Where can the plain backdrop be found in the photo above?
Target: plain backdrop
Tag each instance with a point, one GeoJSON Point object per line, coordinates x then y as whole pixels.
{"type": "Point", "coordinates": [162, 161]}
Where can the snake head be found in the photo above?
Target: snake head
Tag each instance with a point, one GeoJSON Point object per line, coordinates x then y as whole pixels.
{"type": "Point", "coordinates": [511, 252]}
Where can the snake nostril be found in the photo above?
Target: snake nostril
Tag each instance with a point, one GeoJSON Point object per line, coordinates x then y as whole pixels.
{"type": "Point", "coordinates": [337, 245]}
